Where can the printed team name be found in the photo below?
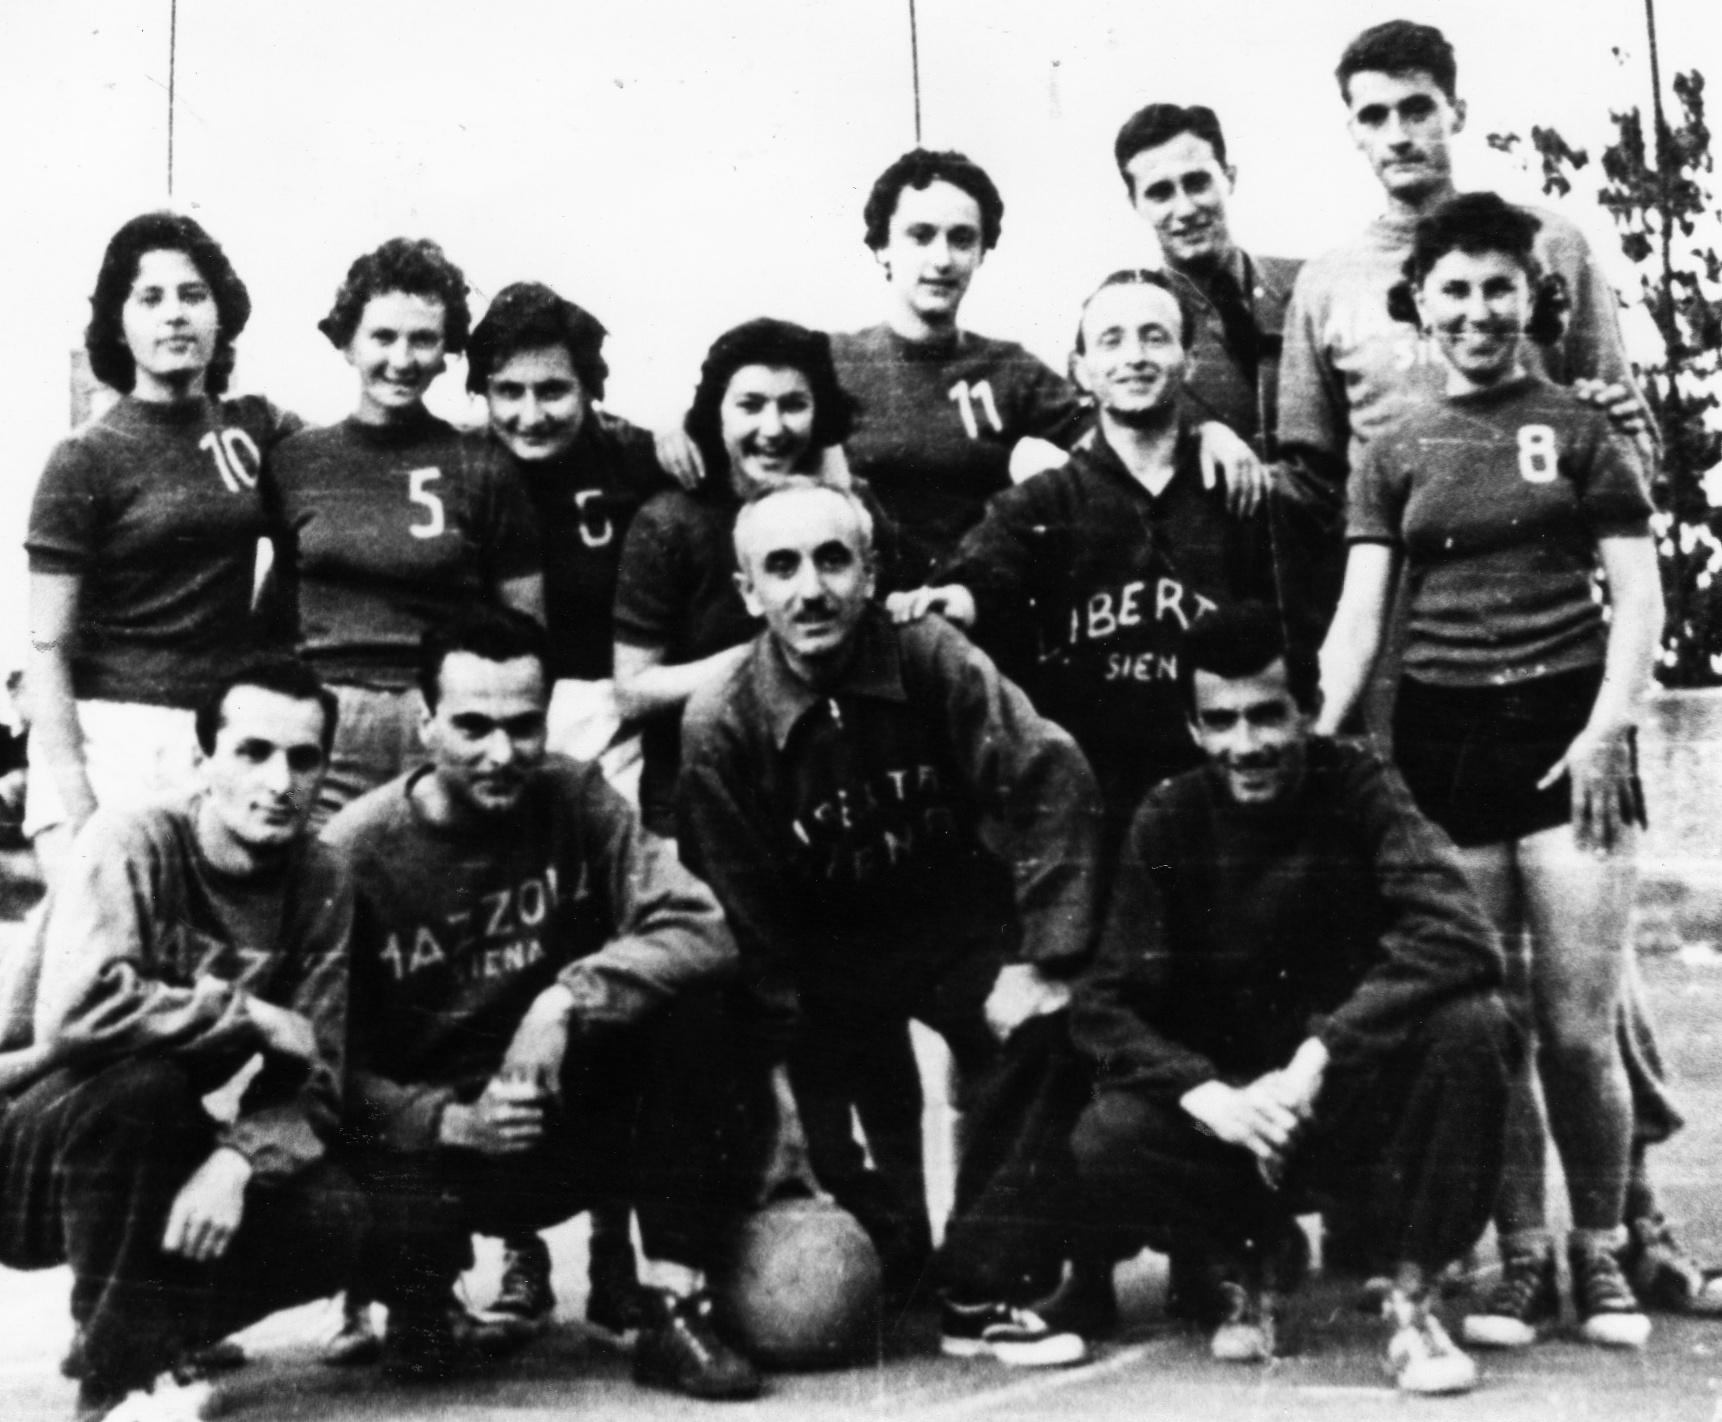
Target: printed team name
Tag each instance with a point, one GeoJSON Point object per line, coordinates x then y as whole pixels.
{"type": "Point", "coordinates": [1105, 614]}
{"type": "Point", "coordinates": [499, 940]}
{"type": "Point", "coordinates": [862, 831]}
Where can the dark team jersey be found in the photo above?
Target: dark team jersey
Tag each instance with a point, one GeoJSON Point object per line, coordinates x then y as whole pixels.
{"type": "Point", "coordinates": [391, 529]}
{"type": "Point", "coordinates": [585, 502]}
{"type": "Point", "coordinates": [863, 838]}
{"type": "Point", "coordinates": [937, 424]}
{"type": "Point", "coordinates": [1110, 577]}
{"type": "Point", "coordinates": [457, 931]}
{"type": "Point", "coordinates": [157, 509]}
{"type": "Point", "coordinates": [1498, 498]}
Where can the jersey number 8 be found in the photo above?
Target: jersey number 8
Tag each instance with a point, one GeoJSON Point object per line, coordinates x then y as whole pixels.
{"type": "Point", "coordinates": [1538, 454]}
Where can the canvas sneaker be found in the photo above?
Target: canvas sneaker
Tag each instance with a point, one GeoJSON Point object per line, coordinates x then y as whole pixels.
{"type": "Point", "coordinates": [1019, 1337]}
{"type": "Point", "coordinates": [525, 1294]}
{"type": "Point", "coordinates": [1248, 1327]}
{"type": "Point", "coordinates": [1523, 1303]}
{"type": "Point", "coordinates": [1421, 1358]}
{"type": "Point", "coordinates": [1608, 1312]}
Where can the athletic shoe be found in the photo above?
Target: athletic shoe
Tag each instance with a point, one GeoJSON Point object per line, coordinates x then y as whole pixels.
{"type": "Point", "coordinates": [1608, 1312]}
{"type": "Point", "coordinates": [1524, 1302]}
{"type": "Point", "coordinates": [183, 1394]}
{"type": "Point", "coordinates": [679, 1350]}
{"type": "Point", "coordinates": [1663, 1275]}
{"type": "Point", "coordinates": [1019, 1337]}
{"type": "Point", "coordinates": [358, 1343]}
{"type": "Point", "coordinates": [525, 1293]}
{"type": "Point", "coordinates": [1421, 1358]}
{"type": "Point", "coordinates": [1248, 1328]}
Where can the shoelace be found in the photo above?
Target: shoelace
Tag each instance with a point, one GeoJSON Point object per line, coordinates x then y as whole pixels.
{"type": "Point", "coordinates": [1600, 1285]}
{"type": "Point", "coordinates": [1518, 1285]}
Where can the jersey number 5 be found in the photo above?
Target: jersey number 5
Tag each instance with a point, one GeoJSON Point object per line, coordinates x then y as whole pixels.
{"type": "Point", "coordinates": [968, 397]}
{"type": "Point", "coordinates": [434, 522]}
{"type": "Point", "coordinates": [1538, 455]}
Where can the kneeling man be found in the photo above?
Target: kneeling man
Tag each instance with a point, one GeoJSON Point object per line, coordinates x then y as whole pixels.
{"type": "Point", "coordinates": [527, 968]}
{"type": "Point", "coordinates": [1294, 1002]}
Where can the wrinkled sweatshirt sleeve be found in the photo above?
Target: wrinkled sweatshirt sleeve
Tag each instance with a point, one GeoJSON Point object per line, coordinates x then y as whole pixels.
{"type": "Point", "coordinates": [1314, 410]}
{"type": "Point", "coordinates": [1119, 1000]}
{"type": "Point", "coordinates": [723, 833]}
{"type": "Point", "coordinates": [105, 991]}
{"type": "Point", "coordinates": [290, 1114]}
{"type": "Point", "coordinates": [1000, 559]}
{"type": "Point", "coordinates": [1039, 800]}
{"type": "Point", "coordinates": [670, 934]}
{"type": "Point", "coordinates": [1436, 946]}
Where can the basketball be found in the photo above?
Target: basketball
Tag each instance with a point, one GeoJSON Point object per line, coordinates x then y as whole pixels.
{"type": "Point", "coordinates": [801, 1287]}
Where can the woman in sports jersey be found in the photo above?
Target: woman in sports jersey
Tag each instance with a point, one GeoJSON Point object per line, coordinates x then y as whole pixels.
{"type": "Point", "coordinates": [143, 533]}
{"type": "Point", "coordinates": [1516, 710]}
{"type": "Point", "coordinates": [393, 518]}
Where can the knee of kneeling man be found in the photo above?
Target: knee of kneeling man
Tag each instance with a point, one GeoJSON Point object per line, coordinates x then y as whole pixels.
{"type": "Point", "coordinates": [1112, 1124]}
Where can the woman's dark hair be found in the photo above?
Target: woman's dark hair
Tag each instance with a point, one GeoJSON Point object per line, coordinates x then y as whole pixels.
{"type": "Point", "coordinates": [105, 339]}
{"type": "Point", "coordinates": [1482, 222]}
{"type": "Point", "coordinates": [413, 266]}
{"type": "Point", "coordinates": [529, 316]}
{"type": "Point", "coordinates": [920, 168]}
{"type": "Point", "coordinates": [781, 344]}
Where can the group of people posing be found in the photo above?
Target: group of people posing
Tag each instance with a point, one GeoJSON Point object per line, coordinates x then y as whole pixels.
{"type": "Point", "coordinates": [567, 818]}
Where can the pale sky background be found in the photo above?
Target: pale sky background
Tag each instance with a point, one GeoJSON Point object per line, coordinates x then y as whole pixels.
{"type": "Point", "coordinates": [677, 166]}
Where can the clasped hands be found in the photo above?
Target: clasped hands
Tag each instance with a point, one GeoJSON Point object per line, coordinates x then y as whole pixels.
{"type": "Point", "coordinates": [1265, 1116]}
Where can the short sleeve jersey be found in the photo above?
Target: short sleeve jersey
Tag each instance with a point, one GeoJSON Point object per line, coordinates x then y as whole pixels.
{"type": "Point", "coordinates": [937, 423]}
{"type": "Point", "coordinates": [158, 510]}
{"type": "Point", "coordinates": [393, 528]}
{"type": "Point", "coordinates": [1498, 499]}
{"type": "Point", "coordinates": [584, 504]}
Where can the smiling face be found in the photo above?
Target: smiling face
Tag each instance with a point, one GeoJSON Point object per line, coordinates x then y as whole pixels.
{"type": "Point", "coordinates": [1404, 124]}
{"type": "Point", "coordinates": [806, 569]}
{"type": "Point", "coordinates": [766, 418]}
{"type": "Point", "coordinates": [1132, 361]}
{"type": "Point", "coordinates": [537, 403]}
{"type": "Point", "coordinates": [261, 778]}
{"type": "Point", "coordinates": [931, 253]}
{"type": "Point", "coordinates": [1180, 189]}
{"type": "Point", "coordinates": [170, 324]}
{"type": "Point", "coordinates": [1477, 304]}
{"type": "Point", "coordinates": [398, 350]}
{"type": "Point", "coordinates": [486, 736]}
{"type": "Point", "coordinates": [1253, 731]}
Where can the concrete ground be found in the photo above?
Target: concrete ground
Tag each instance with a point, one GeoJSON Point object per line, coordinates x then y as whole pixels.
{"type": "Point", "coordinates": [1153, 1369]}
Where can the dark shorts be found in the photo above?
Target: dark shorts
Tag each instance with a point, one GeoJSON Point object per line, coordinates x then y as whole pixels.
{"type": "Point", "coordinates": [1472, 755]}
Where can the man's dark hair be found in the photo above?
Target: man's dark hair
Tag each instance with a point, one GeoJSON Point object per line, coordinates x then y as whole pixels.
{"type": "Point", "coordinates": [1244, 639]}
{"type": "Point", "coordinates": [770, 342]}
{"type": "Point", "coordinates": [529, 316]}
{"type": "Point", "coordinates": [1482, 222]}
{"type": "Point", "coordinates": [412, 266]}
{"type": "Point", "coordinates": [111, 358]}
{"type": "Point", "coordinates": [1400, 47]}
{"type": "Point", "coordinates": [920, 168]}
{"type": "Point", "coordinates": [495, 634]}
{"type": "Point", "coordinates": [1176, 287]}
{"type": "Point", "coordinates": [1161, 123]}
{"type": "Point", "coordinates": [274, 671]}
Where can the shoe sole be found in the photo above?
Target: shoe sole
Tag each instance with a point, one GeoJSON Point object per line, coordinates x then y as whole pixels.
{"type": "Point", "coordinates": [1062, 1350]}
{"type": "Point", "coordinates": [1482, 1330]}
{"type": "Point", "coordinates": [1620, 1330]}
{"type": "Point", "coordinates": [1446, 1380]}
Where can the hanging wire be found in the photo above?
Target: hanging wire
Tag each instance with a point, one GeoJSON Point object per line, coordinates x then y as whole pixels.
{"type": "Point", "coordinates": [915, 67]}
{"type": "Point", "coordinates": [172, 64]}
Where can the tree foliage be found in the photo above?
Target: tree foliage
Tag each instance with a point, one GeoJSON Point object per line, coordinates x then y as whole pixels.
{"type": "Point", "coordinates": [1666, 216]}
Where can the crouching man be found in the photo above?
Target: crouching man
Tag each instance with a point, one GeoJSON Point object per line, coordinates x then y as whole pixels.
{"type": "Point", "coordinates": [1294, 1003]}
{"type": "Point", "coordinates": [894, 833]}
{"type": "Point", "coordinates": [186, 940]}
{"type": "Point", "coordinates": [528, 970]}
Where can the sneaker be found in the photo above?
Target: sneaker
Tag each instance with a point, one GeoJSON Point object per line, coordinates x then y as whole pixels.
{"type": "Point", "coordinates": [1421, 1358]}
{"type": "Point", "coordinates": [1017, 1336]}
{"type": "Point", "coordinates": [680, 1351]}
{"type": "Point", "coordinates": [1608, 1312]}
{"type": "Point", "coordinates": [1663, 1275]}
{"type": "Point", "coordinates": [178, 1396]}
{"type": "Point", "coordinates": [1524, 1302]}
{"type": "Point", "coordinates": [525, 1293]}
{"type": "Point", "coordinates": [1248, 1329]}
{"type": "Point", "coordinates": [358, 1343]}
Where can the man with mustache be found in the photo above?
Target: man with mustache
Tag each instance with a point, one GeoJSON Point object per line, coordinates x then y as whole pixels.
{"type": "Point", "coordinates": [895, 833]}
{"type": "Point", "coordinates": [1295, 997]}
{"type": "Point", "coordinates": [527, 973]}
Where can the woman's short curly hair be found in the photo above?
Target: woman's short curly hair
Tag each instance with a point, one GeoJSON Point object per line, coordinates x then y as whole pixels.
{"type": "Point", "coordinates": [781, 345]}
{"type": "Point", "coordinates": [1483, 222]}
{"type": "Point", "coordinates": [415, 266]}
{"type": "Point", "coordinates": [529, 316]}
{"type": "Point", "coordinates": [111, 358]}
{"type": "Point", "coordinates": [920, 168]}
